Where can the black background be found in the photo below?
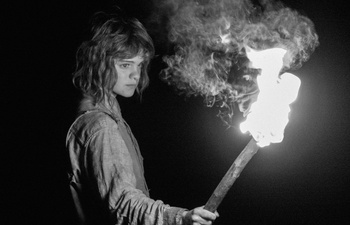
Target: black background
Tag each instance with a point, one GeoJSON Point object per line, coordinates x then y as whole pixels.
{"type": "Point", "coordinates": [187, 149]}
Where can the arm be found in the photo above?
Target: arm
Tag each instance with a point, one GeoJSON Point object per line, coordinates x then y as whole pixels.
{"type": "Point", "coordinates": [110, 170]}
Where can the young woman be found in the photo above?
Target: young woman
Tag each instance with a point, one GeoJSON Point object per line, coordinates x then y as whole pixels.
{"type": "Point", "coordinates": [106, 174]}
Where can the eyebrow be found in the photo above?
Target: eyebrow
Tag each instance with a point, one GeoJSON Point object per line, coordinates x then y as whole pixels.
{"type": "Point", "coordinates": [129, 61]}
{"type": "Point", "coordinates": [125, 60]}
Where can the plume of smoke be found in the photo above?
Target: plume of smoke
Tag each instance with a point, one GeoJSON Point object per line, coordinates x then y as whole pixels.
{"type": "Point", "coordinates": [210, 37]}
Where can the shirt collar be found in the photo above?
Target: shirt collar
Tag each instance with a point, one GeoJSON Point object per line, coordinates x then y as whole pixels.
{"type": "Point", "coordinates": [110, 107]}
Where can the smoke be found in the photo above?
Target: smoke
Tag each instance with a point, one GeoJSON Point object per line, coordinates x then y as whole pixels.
{"type": "Point", "coordinates": [210, 36]}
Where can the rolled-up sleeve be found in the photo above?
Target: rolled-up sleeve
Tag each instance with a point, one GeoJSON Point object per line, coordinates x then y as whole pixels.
{"type": "Point", "coordinates": [110, 170]}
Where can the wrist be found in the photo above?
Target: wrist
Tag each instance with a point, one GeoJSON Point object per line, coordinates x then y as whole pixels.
{"type": "Point", "coordinates": [181, 217]}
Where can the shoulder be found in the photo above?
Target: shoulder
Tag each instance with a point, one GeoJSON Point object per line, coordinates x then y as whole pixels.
{"type": "Point", "coordinates": [90, 123]}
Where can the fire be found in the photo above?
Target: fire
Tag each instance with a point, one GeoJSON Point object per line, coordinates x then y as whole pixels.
{"type": "Point", "coordinates": [209, 58]}
{"type": "Point", "coordinates": [268, 116]}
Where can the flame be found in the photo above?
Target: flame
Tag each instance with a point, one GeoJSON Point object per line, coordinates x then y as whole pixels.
{"type": "Point", "coordinates": [210, 39]}
{"type": "Point", "coordinates": [268, 116]}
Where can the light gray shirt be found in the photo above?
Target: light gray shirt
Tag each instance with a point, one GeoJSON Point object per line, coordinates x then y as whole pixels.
{"type": "Point", "coordinates": [107, 176]}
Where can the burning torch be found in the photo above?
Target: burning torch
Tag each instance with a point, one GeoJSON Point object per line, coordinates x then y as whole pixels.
{"type": "Point", "coordinates": [268, 116]}
{"type": "Point", "coordinates": [211, 36]}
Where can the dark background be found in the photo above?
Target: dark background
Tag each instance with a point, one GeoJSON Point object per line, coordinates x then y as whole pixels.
{"type": "Point", "coordinates": [187, 149]}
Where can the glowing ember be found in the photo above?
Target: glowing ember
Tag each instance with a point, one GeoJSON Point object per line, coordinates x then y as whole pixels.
{"type": "Point", "coordinates": [268, 116]}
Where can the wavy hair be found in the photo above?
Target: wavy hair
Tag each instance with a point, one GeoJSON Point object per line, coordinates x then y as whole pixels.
{"type": "Point", "coordinates": [113, 37]}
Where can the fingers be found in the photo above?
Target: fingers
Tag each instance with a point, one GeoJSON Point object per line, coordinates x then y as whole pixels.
{"type": "Point", "coordinates": [200, 220]}
{"type": "Point", "coordinates": [202, 216]}
{"type": "Point", "coordinates": [217, 214]}
{"type": "Point", "coordinates": [199, 216]}
{"type": "Point", "coordinates": [205, 213]}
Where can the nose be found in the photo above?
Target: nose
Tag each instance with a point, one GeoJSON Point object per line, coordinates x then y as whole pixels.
{"type": "Point", "coordinates": [135, 73]}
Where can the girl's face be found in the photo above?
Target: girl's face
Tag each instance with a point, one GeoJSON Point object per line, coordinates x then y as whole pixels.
{"type": "Point", "coordinates": [129, 72]}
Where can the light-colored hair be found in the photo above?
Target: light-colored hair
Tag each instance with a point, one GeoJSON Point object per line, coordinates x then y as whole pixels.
{"type": "Point", "coordinates": [114, 37]}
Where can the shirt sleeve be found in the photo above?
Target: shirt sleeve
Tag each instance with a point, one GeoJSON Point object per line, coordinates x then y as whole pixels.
{"type": "Point", "coordinates": [110, 169]}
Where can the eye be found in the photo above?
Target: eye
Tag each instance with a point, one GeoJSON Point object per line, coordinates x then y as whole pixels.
{"type": "Point", "coordinates": [124, 65]}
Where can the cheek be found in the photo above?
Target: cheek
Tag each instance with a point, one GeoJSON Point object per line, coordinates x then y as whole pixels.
{"type": "Point", "coordinates": [115, 80]}
{"type": "Point", "coordinates": [117, 84]}
{"type": "Point", "coordinates": [139, 69]}
{"type": "Point", "coordinates": [117, 90]}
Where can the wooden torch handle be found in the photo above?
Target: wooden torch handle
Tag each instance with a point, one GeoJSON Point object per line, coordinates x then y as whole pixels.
{"type": "Point", "coordinates": [231, 175]}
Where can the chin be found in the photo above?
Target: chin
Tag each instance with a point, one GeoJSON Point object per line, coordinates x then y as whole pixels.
{"type": "Point", "coordinates": [127, 95]}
